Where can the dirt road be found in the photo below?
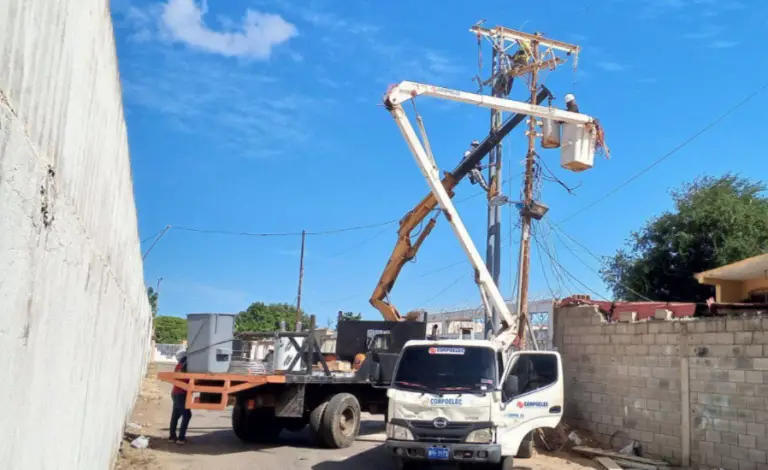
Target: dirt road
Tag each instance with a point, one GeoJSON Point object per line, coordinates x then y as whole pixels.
{"type": "Point", "coordinates": [212, 445]}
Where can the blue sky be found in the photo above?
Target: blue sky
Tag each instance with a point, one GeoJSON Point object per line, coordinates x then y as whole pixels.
{"type": "Point", "coordinates": [264, 116]}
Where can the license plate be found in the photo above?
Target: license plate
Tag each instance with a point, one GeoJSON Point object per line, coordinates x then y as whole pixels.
{"type": "Point", "coordinates": [437, 453]}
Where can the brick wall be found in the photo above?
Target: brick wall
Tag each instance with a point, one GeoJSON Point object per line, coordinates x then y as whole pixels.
{"type": "Point", "coordinates": [694, 386]}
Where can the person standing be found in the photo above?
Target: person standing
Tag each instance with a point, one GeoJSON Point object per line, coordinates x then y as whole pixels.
{"type": "Point", "coordinates": [179, 398]}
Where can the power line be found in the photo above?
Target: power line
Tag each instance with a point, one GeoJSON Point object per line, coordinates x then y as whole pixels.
{"type": "Point", "coordinates": [358, 245]}
{"type": "Point", "coordinates": [284, 234]}
{"type": "Point", "coordinates": [597, 258]}
{"type": "Point", "coordinates": [668, 154]}
{"type": "Point", "coordinates": [154, 235]}
{"type": "Point", "coordinates": [456, 281]}
{"type": "Point", "coordinates": [159, 236]}
{"type": "Point", "coordinates": [536, 239]}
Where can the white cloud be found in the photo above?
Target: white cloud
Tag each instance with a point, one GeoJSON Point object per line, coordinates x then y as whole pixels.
{"type": "Point", "coordinates": [259, 32]}
{"type": "Point", "coordinates": [611, 66]}
{"type": "Point", "coordinates": [723, 44]}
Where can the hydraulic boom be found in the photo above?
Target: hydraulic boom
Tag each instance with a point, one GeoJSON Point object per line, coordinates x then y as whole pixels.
{"type": "Point", "coordinates": [507, 335]}
{"type": "Point", "coordinates": [405, 250]}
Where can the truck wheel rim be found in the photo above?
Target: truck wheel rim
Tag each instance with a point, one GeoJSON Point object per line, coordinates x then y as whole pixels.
{"type": "Point", "coordinates": [347, 422]}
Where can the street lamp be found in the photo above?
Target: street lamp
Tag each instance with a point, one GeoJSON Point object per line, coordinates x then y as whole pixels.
{"type": "Point", "coordinates": [535, 209]}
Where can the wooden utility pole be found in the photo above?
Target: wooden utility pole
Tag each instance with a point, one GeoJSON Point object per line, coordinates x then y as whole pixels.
{"type": "Point", "coordinates": [525, 232]}
{"type": "Point", "coordinates": [542, 53]}
{"type": "Point", "coordinates": [301, 278]}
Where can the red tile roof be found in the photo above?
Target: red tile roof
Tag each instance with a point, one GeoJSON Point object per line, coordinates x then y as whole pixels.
{"type": "Point", "coordinates": [644, 309]}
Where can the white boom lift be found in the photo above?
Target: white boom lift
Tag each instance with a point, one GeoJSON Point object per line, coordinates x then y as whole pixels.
{"type": "Point", "coordinates": [393, 101]}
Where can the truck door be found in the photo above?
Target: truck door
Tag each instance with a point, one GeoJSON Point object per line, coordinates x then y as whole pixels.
{"type": "Point", "coordinates": [532, 396]}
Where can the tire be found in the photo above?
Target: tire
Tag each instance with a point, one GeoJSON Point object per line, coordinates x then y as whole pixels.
{"type": "Point", "coordinates": [254, 426]}
{"type": "Point", "coordinates": [316, 424]}
{"type": "Point", "coordinates": [402, 464]}
{"type": "Point", "coordinates": [341, 421]}
{"type": "Point", "coordinates": [508, 463]}
{"type": "Point", "coordinates": [526, 447]}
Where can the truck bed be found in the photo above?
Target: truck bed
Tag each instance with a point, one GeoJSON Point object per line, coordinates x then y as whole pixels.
{"type": "Point", "coordinates": [211, 391]}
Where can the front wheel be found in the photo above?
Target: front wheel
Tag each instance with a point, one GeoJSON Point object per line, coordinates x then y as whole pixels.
{"type": "Point", "coordinates": [402, 464]}
{"type": "Point", "coordinates": [508, 463]}
{"type": "Point", "coordinates": [526, 447]}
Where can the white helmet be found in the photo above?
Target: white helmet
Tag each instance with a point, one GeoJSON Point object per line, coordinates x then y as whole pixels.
{"type": "Point", "coordinates": [181, 355]}
{"type": "Point", "coordinates": [569, 97]}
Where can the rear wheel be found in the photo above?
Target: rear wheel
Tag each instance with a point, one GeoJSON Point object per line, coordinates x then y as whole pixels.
{"type": "Point", "coordinates": [526, 447]}
{"type": "Point", "coordinates": [292, 424]}
{"type": "Point", "coordinates": [316, 424]}
{"type": "Point", "coordinates": [257, 425]}
{"type": "Point", "coordinates": [341, 421]}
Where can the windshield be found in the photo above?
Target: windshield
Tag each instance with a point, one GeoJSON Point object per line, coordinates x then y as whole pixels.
{"type": "Point", "coordinates": [447, 369]}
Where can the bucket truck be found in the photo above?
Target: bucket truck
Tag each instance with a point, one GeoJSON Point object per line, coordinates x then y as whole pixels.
{"type": "Point", "coordinates": [406, 249]}
{"type": "Point", "coordinates": [474, 401]}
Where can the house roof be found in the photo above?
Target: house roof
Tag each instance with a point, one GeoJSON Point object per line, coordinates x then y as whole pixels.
{"type": "Point", "coordinates": [644, 310]}
{"type": "Point", "coordinates": [750, 268]}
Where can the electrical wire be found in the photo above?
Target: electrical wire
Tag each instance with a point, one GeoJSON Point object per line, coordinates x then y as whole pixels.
{"type": "Point", "coordinates": [538, 244]}
{"type": "Point", "coordinates": [159, 236]}
{"type": "Point", "coordinates": [597, 258]}
{"type": "Point", "coordinates": [358, 245]}
{"type": "Point", "coordinates": [154, 235]}
{"type": "Point", "coordinates": [668, 154]}
{"type": "Point", "coordinates": [456, 281]}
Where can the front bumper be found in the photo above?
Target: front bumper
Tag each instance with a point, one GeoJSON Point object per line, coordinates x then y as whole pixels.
{"type": "Point", "coordinates": [464, 452]}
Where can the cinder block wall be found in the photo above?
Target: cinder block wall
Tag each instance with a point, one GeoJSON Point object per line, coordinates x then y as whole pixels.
{"type": "Point", "coordinates": [697, 387]}
{"type": "Point", "coordinates": [74, 316]}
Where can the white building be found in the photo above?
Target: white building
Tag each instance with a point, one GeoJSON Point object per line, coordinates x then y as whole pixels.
{"type": "Point", "coordinates": [469, 323]}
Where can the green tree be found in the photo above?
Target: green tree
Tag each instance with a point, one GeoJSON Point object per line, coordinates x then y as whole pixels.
{"type": "Point", "coordinates": [170, 330]}
{"type": "Point", "coordinates": [351, 316]}
{"type": "Point", "coordinates": [152, 295]}
{"type": "Point", "coordinates": [266, 317]}
{"type": "Point", "coordinates": [715, 221]}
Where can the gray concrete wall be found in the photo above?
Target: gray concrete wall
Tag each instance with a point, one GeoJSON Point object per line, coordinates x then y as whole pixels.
{"type": "Point", "coordinates": [75, 321]}
{"type": "Point", "coordinates": [689, 386]}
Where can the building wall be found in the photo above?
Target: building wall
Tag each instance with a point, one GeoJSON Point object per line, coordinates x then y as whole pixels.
{"type": "Point", "coordinates": [75, 325]}
{"type": "Point", "coordinates": [697, 384]}
{"type": "Point", "coordinates": [753, 285]}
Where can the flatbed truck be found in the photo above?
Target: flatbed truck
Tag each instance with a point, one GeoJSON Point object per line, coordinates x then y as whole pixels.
{"type": "Point", "coordinates": [329, 402]}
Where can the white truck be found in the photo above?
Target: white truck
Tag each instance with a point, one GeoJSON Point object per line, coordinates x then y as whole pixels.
{"type": "Point", "coordinates": [463, 401]}
{"type": "Point", "coordinates": [473, 401]}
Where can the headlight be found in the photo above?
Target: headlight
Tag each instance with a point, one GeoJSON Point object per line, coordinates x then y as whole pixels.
{"type": "Point", "coordinates": [481, 436]}
{"type": "Point", "coordinates": [398, 433]}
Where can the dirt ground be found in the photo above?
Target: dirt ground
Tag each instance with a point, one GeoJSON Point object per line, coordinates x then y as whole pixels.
{"type": "Point", "coordinates": [213, 445]}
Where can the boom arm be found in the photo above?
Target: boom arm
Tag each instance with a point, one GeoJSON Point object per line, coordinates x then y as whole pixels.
{"type": "Point", "coordinates": [393, 100]}
{"type": "Point", "coordinates": [405, 250]}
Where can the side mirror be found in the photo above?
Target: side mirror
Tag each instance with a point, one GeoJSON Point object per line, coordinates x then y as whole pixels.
{"type": "Point", "coordinates": [511, 386]}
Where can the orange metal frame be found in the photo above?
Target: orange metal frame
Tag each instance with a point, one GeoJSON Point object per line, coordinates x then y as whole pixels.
{"type": "Point", "coordinates": [226, 385]}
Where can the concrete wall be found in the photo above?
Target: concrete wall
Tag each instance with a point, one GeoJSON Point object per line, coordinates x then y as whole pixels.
{"type": "Point", "coordinates": [75, 321]}
{"type": "Point", "coordinates": [694, 386]}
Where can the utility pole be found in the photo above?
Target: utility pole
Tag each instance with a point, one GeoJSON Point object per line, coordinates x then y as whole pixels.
{"type": "Point", "coordinates": [539, 52]}
{"type": "Point", "coordinates": [525, 232]}
{"type": "Point", "coordinates": [495, 160]}
{"type": "Point", "coordinates": [157, 293]}
{"type": "Point", "coordinates": [301, 279]}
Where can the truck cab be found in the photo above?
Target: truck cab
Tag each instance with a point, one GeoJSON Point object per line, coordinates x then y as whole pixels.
{"type": "Point", "coordinates": [466, 401]}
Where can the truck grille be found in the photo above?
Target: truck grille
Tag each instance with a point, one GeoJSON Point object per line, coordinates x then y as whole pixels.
{"type": "Point", "coordinates": [452, 433]}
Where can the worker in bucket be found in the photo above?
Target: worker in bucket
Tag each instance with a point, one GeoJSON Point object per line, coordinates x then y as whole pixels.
{"type": "Point", "coordinates": [179, 397]}
{"type": "Point", "coordinates": [570, 103]}
{"type": "Point", "coordinates": [475, 176]}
